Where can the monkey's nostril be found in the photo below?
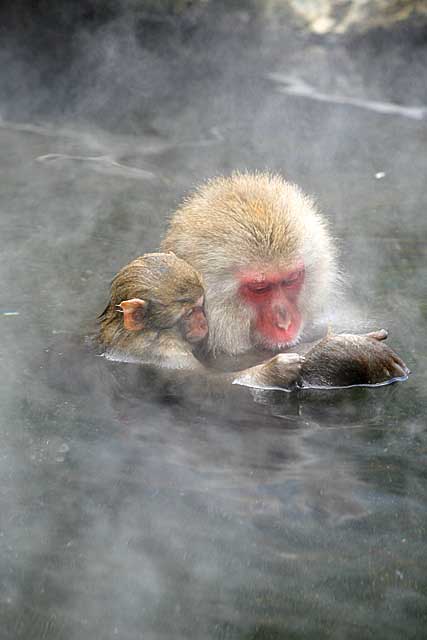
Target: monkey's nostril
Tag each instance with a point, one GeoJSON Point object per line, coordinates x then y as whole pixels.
{"type": "Point", "coordinates": [283, 325]}
{"type": "Point", "coordinates": [283, 319]}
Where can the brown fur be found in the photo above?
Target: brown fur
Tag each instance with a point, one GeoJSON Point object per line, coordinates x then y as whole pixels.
{"type": "Point", "coordinates": [170, 287]}
{"type": "Point", "coordinates": [250, 221]}
{"type": "Point", "coordinates": [255, 222]}
{"type": "Point", "coordinates": [347, 360]}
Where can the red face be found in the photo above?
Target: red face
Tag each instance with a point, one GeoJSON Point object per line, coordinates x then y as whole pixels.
{"type": "Point", "coordinates": [274, 297]}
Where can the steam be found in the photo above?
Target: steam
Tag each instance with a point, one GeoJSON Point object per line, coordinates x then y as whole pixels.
{"type": "Point", "coordinates": [103, 164]}
{"type": "Point", "coordinates": [129, 510]}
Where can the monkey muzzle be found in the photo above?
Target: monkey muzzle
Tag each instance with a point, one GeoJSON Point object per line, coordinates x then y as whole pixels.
{"type": "Point", "coordinates": [282, 318]}
{"type": "Point", "coordinates": [194, 326]}
{"type": "Point", "coordinates": [278, 325]}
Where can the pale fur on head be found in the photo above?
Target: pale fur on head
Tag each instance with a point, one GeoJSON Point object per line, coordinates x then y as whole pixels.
{"type": "Point", "coordinates": [251, 221]}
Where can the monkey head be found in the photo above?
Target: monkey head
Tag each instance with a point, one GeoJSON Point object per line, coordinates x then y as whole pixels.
{"type": "Point", "coordinates": [154, 293]}
{"type": "Point", "coordinates": [265, 255]}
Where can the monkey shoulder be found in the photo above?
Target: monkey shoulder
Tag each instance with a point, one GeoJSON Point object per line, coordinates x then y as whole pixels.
{"type": "Point", "coordinates": [172, 352]}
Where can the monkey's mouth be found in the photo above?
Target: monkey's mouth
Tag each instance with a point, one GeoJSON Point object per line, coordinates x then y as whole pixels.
{"type": "Point", "coordinates": [196, 333]}
{"type": "Point", "coordinates": [283, 323]}
{"type": "Point", "coordinates": [282, 331]}
{"type": "Point", "coordinates": [195, 338]}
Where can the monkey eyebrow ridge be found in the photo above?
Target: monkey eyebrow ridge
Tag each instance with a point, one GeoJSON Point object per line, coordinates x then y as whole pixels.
{"type": "Point", "coordinates": [185, 300]}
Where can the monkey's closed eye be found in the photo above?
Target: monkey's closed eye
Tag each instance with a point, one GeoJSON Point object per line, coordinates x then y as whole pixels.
{"type": "Point", "coordinates": [259, 288]}
{"type": "Point", "coordinates": [292, 278]}
{"type": "Point", "coordinates": [158, 303]}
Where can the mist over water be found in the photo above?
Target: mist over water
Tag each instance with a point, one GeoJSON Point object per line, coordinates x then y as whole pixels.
{"type": "Point", "coordinates": [128, 510]}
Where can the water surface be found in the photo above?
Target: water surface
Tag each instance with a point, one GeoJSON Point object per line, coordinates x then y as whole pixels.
{"type": "Point", "coordinates": [130, 511]}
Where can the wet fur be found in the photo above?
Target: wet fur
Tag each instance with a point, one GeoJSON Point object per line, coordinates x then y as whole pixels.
{"type": "Point", "coordinates": [251, 221]}
{"type": "Point", "coordinates": [169, 287]}
{"type": "Point", "coordinates": [347, 360]}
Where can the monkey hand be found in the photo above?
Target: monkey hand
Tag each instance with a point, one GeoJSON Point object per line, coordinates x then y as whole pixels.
{"type": "Point", "coordinates": [280, 372]}
{"type": "Point", "coordinates": [347, 360]}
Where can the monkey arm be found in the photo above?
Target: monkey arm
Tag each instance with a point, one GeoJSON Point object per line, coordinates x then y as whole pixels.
{"type": "Point", "coordinates": [177, 364]}
{"type": "Point", "coordinates": [334, 361]}
{"type": "Point", "coordinates": [280, 372]}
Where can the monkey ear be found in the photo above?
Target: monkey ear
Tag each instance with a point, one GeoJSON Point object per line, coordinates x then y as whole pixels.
{"type": "Point", "coordinates": [133, 314]}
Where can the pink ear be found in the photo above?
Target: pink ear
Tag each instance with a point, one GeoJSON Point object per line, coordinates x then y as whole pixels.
{"type": "Point", "coordinates": [133, 316]}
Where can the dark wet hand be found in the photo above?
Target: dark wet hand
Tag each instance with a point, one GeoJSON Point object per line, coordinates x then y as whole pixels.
{"type": "Point", "coordinates": [347, 359]}
{"type": "Point", "coordinates": [384, 363]}
{"type": "Point", "coordinates": [284, 369]}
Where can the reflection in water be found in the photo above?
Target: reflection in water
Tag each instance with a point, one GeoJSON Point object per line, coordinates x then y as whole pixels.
{"type": "Point", "coordinates": [297, 87]}
{"type": "Point", "coordinates": [385, 383]}
{"type": "Point", "coordinates": [140, 507]}
{"type": "Point", "coordinates": [314, 387]}
{"type": "Point", "coordinates": [132, 510]}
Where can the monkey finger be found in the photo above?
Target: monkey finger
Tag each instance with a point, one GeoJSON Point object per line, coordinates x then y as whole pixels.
{"type": "Point", "coordinates": [396, 364]}
{"type": "Point", "coordinates": [286, 368]}
{"type": "Point", "coordinates": [289, 358]}
{"type": "Point", "coordinates": [381, 334]}
{"type": "Point", "coordinates": [398, 372]}
{"type": "Point", "coordinates": [400, 365]}
{"type": "Point", "coordinates": [392, 366]}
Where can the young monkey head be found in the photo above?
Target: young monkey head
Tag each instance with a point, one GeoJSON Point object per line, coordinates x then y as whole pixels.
{"type": "Point", "coordinates": [152, 295]}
